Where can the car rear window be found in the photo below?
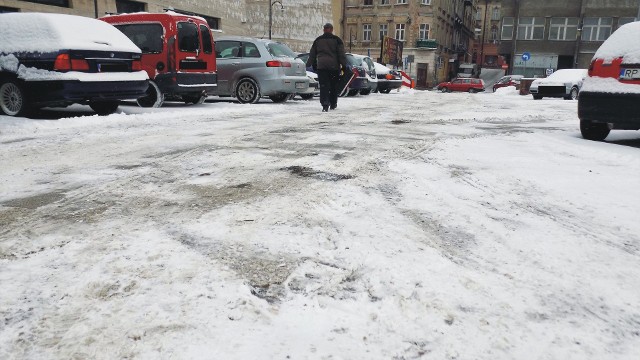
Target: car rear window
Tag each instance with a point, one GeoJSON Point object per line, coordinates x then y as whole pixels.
{"type": "Point", "coordinates": [280, 49]}
{"type": "Point", "coordinates": [188, 37]}
{"type": "Point", "coordinates": [148, 37]}
{"type": "Point", "coordinates": [207, 42]}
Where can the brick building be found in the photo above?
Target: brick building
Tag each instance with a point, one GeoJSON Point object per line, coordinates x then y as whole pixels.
{"type": "Point", "coordinates": [437, 35]}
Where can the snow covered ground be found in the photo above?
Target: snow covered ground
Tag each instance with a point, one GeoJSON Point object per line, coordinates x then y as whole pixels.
{"type": "Point", "coordinates": [400, 226]}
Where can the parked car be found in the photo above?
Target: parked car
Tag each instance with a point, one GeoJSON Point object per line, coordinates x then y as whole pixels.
{"type": "Point", "coordinates": [563, 83]}
{"type": "Point", "coordinates": [177, 54]}
{"type": "Point", "coordinates": [304, 57]}
{"type": "Point", "coordinates": [361, 82]}
{"type": "Point", "coordinates": [387, 79]}
{"type": "Point", "coordinates": [250, 68]}
{"type": "Point", "coordinates": [370, 73]}
{"type": "Point", "coordinates": [465, 84]}
{"type": "Point", "coordinates": [468, 71]}
{"type": "Point", "coordinates": [610, 96]}
{"type": "Point", "coordinates": [314, 87]}
{"type": "Point", "coordinates": [508, 80]}
{"type": "Point", "coordinates": [59, 60]}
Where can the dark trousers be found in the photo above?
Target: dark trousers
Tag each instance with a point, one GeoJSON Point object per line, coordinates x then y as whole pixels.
{"type": "Point", "coordinates": [328, 80]}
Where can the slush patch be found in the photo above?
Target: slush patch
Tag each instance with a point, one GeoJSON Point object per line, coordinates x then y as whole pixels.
{"type": "Point", "coordinates": [303, 171]}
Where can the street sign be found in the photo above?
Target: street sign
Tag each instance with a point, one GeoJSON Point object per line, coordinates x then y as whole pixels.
{"type": "Point", "coordinates": [526, 56]}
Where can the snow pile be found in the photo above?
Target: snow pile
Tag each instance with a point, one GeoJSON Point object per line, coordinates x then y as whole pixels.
{"type": "Point", "coordinates": [622, 43]}
{"type": "Point", "coordinates": [609, 85]}
{"type": "Point", "coordinates": [38, 32]}
{"type": "Point", "coordinates": [507, 91]}
{"type": "Point", "coordinates": [9, 63]}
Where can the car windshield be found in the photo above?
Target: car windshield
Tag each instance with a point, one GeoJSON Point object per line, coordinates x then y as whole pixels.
{"type": "Point", "coordinates": [280, 49]}
{"type": "Point", "coordinates": [148, 37]}
{"type": "Point", "coordinates": [352, 60]}
{"type": "Point", "coordinates": [467, 70]}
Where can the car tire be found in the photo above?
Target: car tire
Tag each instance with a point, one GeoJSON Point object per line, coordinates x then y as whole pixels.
{"type": "Point", "coordinates": [472, 91]}
{"type": "Point", "coordinates": [594, 131]}
{"type": "Point", "coordinates": [537, 97]}
{"type": "Point", "coordinates": [385, 91]}
{"type": "Point", "coordinates": [573, 95]}
{"type": "Point", "coordinates": [365, 91]}
{"type": "Point", "coordinates": [353, 92]}
{"type": "Point", "coordinates": [103, 108]}
{"type": "Point", "coordinates": [13, 100]}
{"type": "Point", "coordinates": [247, 91]}
{"type": "Point", "coordinates": [279, 98]}
{"type": "Point", "coordinates": [154, 97]}
{"type": "Point", "coordinates": [194, 99]}
{"type": "Point", "coordinates": [306, 96]}
{"type": "Point", "coordinates": [444, 90]}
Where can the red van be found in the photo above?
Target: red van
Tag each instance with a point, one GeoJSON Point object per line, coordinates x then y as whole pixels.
{"type": "Point", "coordinates": [177, 54]}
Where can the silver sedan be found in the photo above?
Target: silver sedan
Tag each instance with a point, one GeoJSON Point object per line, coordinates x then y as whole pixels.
{"type": "Point", "coordinates": [250, 68]}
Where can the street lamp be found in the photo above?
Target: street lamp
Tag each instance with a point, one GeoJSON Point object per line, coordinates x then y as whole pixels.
{"type": "Point", "coordinates": [271, 14]}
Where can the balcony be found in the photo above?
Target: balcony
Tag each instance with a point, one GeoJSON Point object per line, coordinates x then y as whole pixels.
{"type": "Point", "coordinates": [427, 44]}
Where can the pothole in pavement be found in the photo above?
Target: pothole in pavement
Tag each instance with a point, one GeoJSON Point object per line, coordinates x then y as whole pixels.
{"type": "Point", "coordinates": [304, 171]}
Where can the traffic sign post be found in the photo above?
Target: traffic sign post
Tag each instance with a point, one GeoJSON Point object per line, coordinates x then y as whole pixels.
{"type": "Point", "coordinates": [525, 57]}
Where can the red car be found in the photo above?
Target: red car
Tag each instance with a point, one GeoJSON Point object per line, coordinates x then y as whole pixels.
{"type": "Point", "coordinates": [610, 95]}
{"type": "Point", "coordinates": [462, 84]}
{"type": "Point", "coordinates": [177, 54]}
{"type": "Point", "coordinates": [508, 80]}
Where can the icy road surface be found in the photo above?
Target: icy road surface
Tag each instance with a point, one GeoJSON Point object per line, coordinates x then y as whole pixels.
{"type": "Point", "coordinates": [401, 226]}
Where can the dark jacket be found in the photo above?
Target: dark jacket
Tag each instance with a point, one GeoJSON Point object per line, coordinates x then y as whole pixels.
{"type": "Point", "coordinates": [327, 53]}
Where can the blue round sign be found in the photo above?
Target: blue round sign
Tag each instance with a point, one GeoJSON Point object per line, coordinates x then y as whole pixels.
{"type": "Point", "coordinates": [526, 56]}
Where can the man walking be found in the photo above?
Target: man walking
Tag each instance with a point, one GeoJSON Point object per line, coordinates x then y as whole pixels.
{"type": "Point", "coordinates": [327, 58]}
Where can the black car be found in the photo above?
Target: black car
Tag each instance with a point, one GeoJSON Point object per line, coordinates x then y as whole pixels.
{"type": "Point", "coordinates": [66, 60]}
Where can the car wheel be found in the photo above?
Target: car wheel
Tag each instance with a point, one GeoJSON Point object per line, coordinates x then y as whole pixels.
{"type": "Point", "coordinates": [444, 90]}
{"type": "Point", "coordinates": [472, 91]}
{"type": "Point", "coordinates": [594, 131]}
{"type": "Point", "coordinates": [353, 92]}
{"type": "Point", "coordinates": [306, 96]}
{"type": "Point", "coordinates": [13, 101]}
{"type": "Point", "coordinates": [385, 91]}
{"type": "Point", "coordinates": [365, 91]}
{"type": "Point", "coordinates": [279, 98]}
{"type": "Point", "coordinates": [104, 107]}
{"type": "Point", "coordinates": [154, 97]}
{"type": "Point", "coordinates": [537, 97]}
{"type": "Point", "coordinates": [247, 91]}
{"type": "Point", "coordinates": [195, 99]}
{"type": "Point", "coordinates": [573, 95]}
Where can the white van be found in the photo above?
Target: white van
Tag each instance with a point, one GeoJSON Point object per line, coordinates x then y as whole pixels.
{"type": "Point", "coordinates": [468, 71]}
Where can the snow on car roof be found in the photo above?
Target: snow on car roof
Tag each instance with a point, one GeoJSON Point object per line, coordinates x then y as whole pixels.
{"type": "Point", "coordinates": [568, 75]}
{"type": "Point", "coordinates": [381, 69]}
{"type": "Point", "coordinates": [622, 43]}
{"type": "Point", "coordinates": [39, 32]}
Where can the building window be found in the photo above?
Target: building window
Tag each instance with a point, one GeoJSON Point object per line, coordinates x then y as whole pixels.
{"type": "Point", "coordinates": [625, 20]}
{"type": "Point", "coordinates": [401, 1]}
{"type": "Point", "coordinates": [127, 6]}
{"type": "Point", "coordinates": [530, 28]}
{"type": "Point", "coordinates": [61, 3]}
{"type": "Point", "coordinates": [479, 15]}
{"type": "Point", "coordinates": [368, 2]}
{"type": "Point", "coordinates": [507, 29]}
{"type": "Point", "coordinates": [384, 2]}
{"type": "Point", "coordinates": [384, 30]}
{"type": "Point", "coordinates": [424, 31]}
{"type": "Point", "coordinates": [596, 29]}
{"type": "Point", "coordinates": [495, 15]}
{"type": "Point", "coordinates": [426, 2]}
{"type": "Point", "coordinates": [494, 33]}
{"type": "Point", "coordinates": [400, 31]}
{"type": "Point", "coordinates": [366, 32]}
{"type": "Point", "coordinates": [563, 29]}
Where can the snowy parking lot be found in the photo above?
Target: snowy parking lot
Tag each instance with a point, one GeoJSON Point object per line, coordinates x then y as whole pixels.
{"type": "Point", "coordinates": [401, 226]}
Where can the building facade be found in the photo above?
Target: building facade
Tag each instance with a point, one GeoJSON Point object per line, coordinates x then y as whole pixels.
{"type": "Point", "coordinates": [298, 22]}
{"type": "Point", "coordinates": [558, 34]}
{"type": "Point", "coordinates": [437, 35]}
{"type": "Point", "coordinates": [487, 21]}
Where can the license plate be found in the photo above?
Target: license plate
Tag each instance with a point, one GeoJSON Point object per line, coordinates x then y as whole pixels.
{"type": "Point", "coordinates": [630, 74]}
{"type": "Point", "coordinates": [301, 85]}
